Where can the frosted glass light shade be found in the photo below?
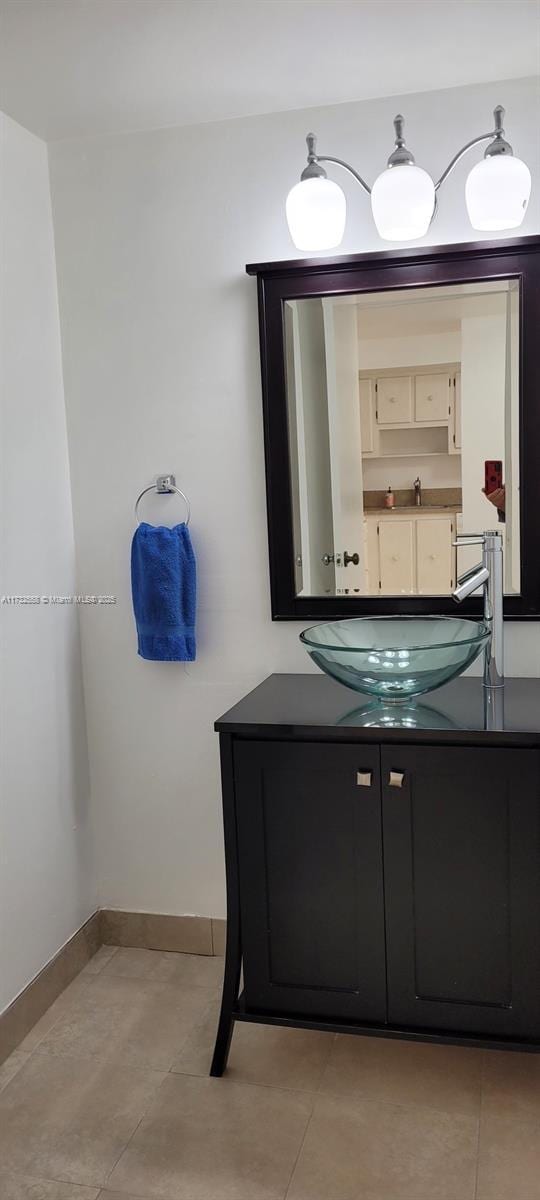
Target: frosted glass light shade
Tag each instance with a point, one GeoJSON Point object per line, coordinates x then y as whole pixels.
{"type": "Point", "coordinates": [497, 192]}
{"type": "Point", "coordinates": [316, 212]}
{"type": "Point", "coordinates": [402, 201]}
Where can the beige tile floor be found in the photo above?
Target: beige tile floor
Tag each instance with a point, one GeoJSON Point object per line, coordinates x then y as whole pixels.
{"type": "Point", "coordinates": [109, 1097]}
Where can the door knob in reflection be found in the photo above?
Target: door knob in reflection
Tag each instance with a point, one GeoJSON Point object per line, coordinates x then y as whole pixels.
{"type": "Point", "coordinates": [351, 558]}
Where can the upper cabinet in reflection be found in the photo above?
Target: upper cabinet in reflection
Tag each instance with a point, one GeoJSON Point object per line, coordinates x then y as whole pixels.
{"type": "Point", "coordinates": [403, 422]}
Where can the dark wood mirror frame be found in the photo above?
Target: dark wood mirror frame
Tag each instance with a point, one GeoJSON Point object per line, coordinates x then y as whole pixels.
{"type": "Point", "coordinates": [468, 262]}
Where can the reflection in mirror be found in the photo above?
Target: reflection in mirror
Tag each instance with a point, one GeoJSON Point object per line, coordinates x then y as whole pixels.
{"type": "Point", "coordinates": [403, 415]}
{"type": "Point", "coordinates": [398, 716]}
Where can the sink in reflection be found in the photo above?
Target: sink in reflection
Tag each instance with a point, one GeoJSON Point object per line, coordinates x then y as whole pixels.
{"type": "Point", "coordinates": [394, 658]}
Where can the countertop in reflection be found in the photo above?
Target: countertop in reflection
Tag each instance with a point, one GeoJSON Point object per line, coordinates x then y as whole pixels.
{"type": "Point", "coordinates": [418, 509]}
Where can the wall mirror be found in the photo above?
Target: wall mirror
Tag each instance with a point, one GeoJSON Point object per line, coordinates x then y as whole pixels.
{"type": "Point", "coordinates": [401, 397]}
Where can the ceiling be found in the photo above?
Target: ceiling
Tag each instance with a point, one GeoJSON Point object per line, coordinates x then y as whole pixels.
{"type": "Point", "coordinates": [81, 67]}
{"type": "Point", "coordinates": [433, 314]}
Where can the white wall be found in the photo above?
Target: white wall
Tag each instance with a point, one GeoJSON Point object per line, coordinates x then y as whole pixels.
{"type": "Point", "coordinates": [46, 877]}
{"type": "Point", "coordinates": [162, 373]}
{"type": "Point", "coordinates": [483, 411]}
{"type": "Point", "coordinates": [442, 471]}
{"type": "Point", "coordinates": [418, 350]}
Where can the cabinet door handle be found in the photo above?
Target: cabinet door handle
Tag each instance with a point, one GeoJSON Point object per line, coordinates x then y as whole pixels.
{"type": "Point", "coordinates": [395, 778]}
{"type": "Point", "coordinates": [364, 778]}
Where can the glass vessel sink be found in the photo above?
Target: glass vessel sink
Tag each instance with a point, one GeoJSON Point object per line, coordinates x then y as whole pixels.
{"type": "Point", "coordinates": [395, 658]}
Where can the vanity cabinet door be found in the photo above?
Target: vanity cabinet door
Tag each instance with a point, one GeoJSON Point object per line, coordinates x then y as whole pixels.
{"type": "Point", "coordinates": [311, 893]}
{"type": "Point", "coordinates": [394, 399]}
{"type": "Point", "coordinates": [462, 888]}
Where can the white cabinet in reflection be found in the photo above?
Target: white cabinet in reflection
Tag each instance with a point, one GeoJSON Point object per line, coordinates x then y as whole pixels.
{"type": "Point", "coordinates": [410, 412]}
{"type": "Point", "coordinates": [410, 555]}
{"type": "Point", "coordinates": [435, 556]}
{"type": "Point", "coordinates": [394, 400]}
{"type": "Point", "coordinates": [432, 397]}
{"type": "Point", "coordinates": [396, 557]}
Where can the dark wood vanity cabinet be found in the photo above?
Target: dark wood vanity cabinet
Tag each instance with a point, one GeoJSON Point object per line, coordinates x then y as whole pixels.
{"type": "Point", "coordinates": [311, 875]}
{"type": "Point", "coordinates": [383, 881]}
{"type": "Point", "coordinates": [462, 888]}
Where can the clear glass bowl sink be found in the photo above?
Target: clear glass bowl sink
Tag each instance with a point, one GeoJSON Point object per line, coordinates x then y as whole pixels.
{"type": "Point", "coordinates": [395, 658]}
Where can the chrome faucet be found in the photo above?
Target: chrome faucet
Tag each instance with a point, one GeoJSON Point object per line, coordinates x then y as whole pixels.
{"type": "Point", "coordinates": [417, 491]}
{"type": "Point", "coordinates": [489, 574]}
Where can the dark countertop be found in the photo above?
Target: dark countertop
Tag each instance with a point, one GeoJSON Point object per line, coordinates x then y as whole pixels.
{"type": "Point", "coordinates": [312, 706]}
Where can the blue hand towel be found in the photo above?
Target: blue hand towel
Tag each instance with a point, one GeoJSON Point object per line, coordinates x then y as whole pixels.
{"type": "Point", "coordinates": [163, 582]}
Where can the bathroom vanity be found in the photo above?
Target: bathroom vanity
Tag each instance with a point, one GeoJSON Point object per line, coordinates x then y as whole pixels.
{"type": "Point", "coordinates": [383, 864]}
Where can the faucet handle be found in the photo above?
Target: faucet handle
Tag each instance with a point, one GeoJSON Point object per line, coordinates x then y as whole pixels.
{"type": "Point", "coordinates": [469, 539]}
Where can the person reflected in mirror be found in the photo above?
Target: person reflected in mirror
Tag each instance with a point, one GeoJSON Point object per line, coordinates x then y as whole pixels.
{"type": "Point", "coordinates": [498, 499]}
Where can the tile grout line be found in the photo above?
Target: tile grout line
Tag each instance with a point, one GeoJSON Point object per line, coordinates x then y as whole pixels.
{"type": "Point", "coordinates": [102, 1191]}
{"type": "Point", "coordinates": [199, 1026]}
{"type": "Point", "coordinates": [151, 1101]}
{"type": "Point", "coordinates": [236, 1083]}
{"type": "Point", "coordinates": [324, 1066]}
{"type": "Point", "coordinates": [301, 1146]}
{"type": "Point", "coordinates": [317, 1094]}
{"type": "Point", "coordinates": [272, 1087]}
{"type": "Point", "coordinates": [87, 982]}
{"type": "Point", "coordinates": [372, 1098]}
{"type": "Point", "coordinates": [24, 1175]}
{"type": "Point", "coordinates": [482, 1076]}
{"type": "Point", "coordinates": [87, 978]}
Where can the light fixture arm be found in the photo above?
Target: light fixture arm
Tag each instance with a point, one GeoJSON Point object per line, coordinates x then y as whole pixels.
{"type": "Point", "coordinates": [500, 146]}
{"type": "Point", "coordinates": [496, 136]}
{"type": "Point", "coordinates": [313, 170]}
{"type": "Point", "coordinates": [484, 137]}
{"type": "Point", "coordinates": [346, 167]}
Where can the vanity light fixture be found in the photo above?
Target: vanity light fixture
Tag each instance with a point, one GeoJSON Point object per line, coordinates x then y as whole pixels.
{"type": "Point", "coordinates": [404, 196]}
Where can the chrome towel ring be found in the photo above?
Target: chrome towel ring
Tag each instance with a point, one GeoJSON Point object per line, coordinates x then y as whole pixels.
{"type": "Point", "coordinates": [164, 485]}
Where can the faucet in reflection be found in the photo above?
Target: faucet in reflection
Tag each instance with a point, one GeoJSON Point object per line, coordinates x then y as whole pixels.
{"type": "Point", "coordinates": [493, 707]}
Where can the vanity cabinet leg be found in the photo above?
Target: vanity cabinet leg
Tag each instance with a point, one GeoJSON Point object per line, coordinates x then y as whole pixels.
{"type": "Point", "coordinates": [233, 951]}
{"type": "Point", "coordinates": [231, 981]}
